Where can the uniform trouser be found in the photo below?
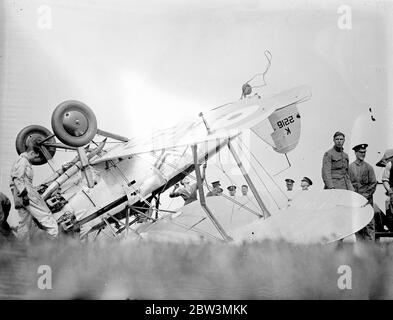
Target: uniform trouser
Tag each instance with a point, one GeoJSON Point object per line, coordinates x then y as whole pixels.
{"type": "Point", "coordinates": [379, 218]}
{"type": "Point", "coordinates": [367, 233]}
{"type": "Point", "coordinates": [27, 227]}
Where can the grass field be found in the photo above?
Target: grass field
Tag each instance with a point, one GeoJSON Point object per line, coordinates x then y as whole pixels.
{"type": "Point", "coordinates": [151, 270]}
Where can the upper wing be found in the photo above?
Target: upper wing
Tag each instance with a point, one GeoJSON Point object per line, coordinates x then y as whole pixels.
{"type": "Point", "coordinates": [225, 122]}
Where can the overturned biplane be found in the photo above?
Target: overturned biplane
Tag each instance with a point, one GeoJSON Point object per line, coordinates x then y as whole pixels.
{"type": "Point", "coordinates": [121, 185]}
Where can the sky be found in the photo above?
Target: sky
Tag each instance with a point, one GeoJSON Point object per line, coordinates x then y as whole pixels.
{"type": "Point", "coordinates": [144, 66]}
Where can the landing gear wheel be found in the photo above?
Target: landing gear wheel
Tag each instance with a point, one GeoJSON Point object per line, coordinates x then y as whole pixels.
{"type": "Point", "coordinates": [74, 123]}
{"type": "Point", "coordinates": [34, 134]}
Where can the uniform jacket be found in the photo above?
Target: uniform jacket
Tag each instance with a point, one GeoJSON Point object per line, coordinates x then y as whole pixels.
{"type": "Point", "coordinates": [335, 170]}
{"type": "Point", "coordinates": [363, 178]}
{"type": "Point", "coordinates": [214, 192]}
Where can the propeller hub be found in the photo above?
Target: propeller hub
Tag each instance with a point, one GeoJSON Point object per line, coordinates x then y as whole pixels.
{"type": "Point", "coordinates": [34, 139]}
{"type": "Point", "coordinates": [75, 123]}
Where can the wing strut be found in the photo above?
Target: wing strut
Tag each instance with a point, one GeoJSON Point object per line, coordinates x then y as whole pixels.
{"type": "Point", "coordinates": [112, 135]}
{"type": "Point", "coordinates": [202, 197]}
{"type": "Point", "coordinates": [86, 169]}
{"type": "Point", "coordinates": [265, 211]}
{"type": "Point", "coordinates": [48, 158]}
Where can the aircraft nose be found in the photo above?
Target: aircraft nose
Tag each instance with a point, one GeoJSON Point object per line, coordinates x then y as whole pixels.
{"type": "Point", "coordinates": [75, 123]}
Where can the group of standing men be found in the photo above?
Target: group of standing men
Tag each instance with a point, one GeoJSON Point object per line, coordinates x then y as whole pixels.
{"type": "Point", "coordinates": [217, 190]}
{"type": "Point", "coordinates": [358, 176]}
{"type": "Point", "coordinates": [305, 184]}
{"type": "Point", "coordinates": [337, 173]}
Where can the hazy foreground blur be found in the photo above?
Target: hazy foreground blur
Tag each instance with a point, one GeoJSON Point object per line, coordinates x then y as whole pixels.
{"type": "Point", "coordinates": [151, 270]}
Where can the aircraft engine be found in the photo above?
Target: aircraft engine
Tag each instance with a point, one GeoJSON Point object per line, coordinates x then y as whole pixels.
{"type": "Point", "coordinates": [35, 134]}
{"type": "Point", "coordinates": [74, 123]}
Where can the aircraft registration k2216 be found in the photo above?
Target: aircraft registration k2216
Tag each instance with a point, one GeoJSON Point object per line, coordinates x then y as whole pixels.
{"type": "Point", "coordinates": [114, 188]}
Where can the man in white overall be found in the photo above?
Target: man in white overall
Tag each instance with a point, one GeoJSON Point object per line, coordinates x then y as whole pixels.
{"type": "Point", "coordinates": [32, 209]}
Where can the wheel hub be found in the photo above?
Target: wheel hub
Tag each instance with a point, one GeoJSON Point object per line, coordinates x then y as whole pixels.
{"type": "Point", "coordinates": [75, 123]}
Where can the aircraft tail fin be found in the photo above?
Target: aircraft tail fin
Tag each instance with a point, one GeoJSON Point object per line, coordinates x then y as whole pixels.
{"type": "Point", "coordinates": [286, 125]}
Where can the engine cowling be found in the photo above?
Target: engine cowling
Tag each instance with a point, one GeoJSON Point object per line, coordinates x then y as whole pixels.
{"type": "Point", "coordinates": [34, 134]}
{"type": "Point", "coordinates": [74, 123]}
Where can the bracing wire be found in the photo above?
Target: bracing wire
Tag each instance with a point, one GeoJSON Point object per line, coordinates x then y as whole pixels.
{"type": "Point", "coordinates": [280, 170]}
{"type": "Point", "coordinates": [267, 142]}
{"type": "Point", "coordinates": [223, 170]}
{"type": "Point", "coordinates": [185, 227]}
{"type": "Point", "coordinates": [289, 165]}
{"type": "Point", "coordinates": [158, 158]}
{"type": "Point", "coordinates": [256, 172]}
{"type": "Point", "coordinates": [223, 195]}
{"type": "Point", "coordinates": [263, 168]}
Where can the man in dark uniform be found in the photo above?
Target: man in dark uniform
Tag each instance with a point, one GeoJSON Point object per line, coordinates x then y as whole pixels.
{"type": "Point", "coordinates": [289, 183]}
{"type": "Point", "coordinates": [232, 190]}
{"type": "Point", "coordinates": [335, 165]}
{"type": "Point", "coordinates": [5, 206]}
{"type": "Point", "coordinates": [216, 191]}
{"type": "Point", "coordinates": [305, 183]}
{"type": "Point", "coordinates": [289, 192]}
{"type": "Point", "coordinates": [363, 179]}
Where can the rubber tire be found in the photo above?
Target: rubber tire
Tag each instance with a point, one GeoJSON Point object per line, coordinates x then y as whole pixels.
{"type": "Point", "coordinates": [62, 134]}
{"type": "Point", "coordinates": [23, 135]}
